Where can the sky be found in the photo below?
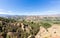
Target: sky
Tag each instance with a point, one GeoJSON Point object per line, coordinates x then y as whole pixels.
{"type": "Point", "coordinates": [29, 7]}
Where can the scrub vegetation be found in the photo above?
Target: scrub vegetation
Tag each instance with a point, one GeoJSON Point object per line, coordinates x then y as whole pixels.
{"type": "Point", "coordinates": [11, 28]}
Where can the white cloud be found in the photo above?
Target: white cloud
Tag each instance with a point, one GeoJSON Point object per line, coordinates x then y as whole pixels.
{"type": "Point", "coordinates": [9, 11]}
{"type": "Point", "coordinates": [50, 12]}
{"type": "Point", "coordinates": [6, 13]}
{"type": "Point", "coordinates": [3, 13]}
{"type": "Point", "coordinates": [1, 9]}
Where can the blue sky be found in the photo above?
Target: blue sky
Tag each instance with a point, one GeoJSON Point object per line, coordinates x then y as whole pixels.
{"type": "Point", "coordinates": [29, 7]}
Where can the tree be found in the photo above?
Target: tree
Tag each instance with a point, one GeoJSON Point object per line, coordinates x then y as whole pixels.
{"type": "Point", "coordinates": [46, 25]}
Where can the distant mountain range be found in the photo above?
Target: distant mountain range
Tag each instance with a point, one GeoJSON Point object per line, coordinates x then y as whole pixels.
{"type": "Point", "coordinates": [31, 17]}
{"type": "Point", "coordinates": [27, 16]}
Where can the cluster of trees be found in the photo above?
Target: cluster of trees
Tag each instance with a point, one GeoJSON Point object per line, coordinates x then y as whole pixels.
{"type": "Point", "coordinates": [46, 25]}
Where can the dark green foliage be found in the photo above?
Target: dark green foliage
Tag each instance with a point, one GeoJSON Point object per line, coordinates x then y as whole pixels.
{"type": "Point", "coordinates": [46, 25]}
{"type": "Point", "coordinates": [35, 28]}
{"type": "Point", "coordinates": [7, 19]}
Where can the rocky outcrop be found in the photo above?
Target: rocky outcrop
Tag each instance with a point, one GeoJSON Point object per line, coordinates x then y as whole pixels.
{"type": "Point", "coordinates": [53, 32]}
